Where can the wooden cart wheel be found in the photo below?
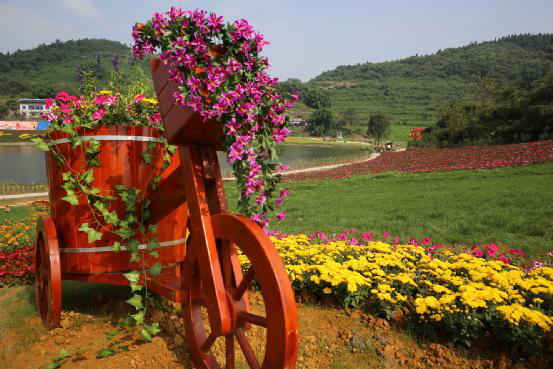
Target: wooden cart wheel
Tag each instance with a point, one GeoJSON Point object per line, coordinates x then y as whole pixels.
{"type": "Point", "coordinates": [266, 331]}
{"type": "Point", "coordinates": [47, 273]}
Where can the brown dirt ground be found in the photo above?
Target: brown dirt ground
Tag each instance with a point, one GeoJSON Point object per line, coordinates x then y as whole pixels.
{"type": "Point", "coordinates": [330, 338]}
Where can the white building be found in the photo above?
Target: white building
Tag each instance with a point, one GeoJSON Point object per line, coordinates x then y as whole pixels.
{"type": "Point", "coordinates": [32, 108]}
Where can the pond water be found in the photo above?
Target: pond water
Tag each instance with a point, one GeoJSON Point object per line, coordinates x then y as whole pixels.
{"type": "Point", "coordinates": [26, 164]}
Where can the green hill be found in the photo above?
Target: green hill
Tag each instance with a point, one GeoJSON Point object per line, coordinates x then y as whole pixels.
{"type": "Point", "coordinates": [411, 90]}
{"type": "Point", "coordinates": [46, 69]}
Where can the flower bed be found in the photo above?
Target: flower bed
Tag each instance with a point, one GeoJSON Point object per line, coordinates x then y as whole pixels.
{"type": "Point", "coordinates": [433, 160]}
{"type": "Point", "coordinates": [17, 251]}
{"type": "Point", "coordinates": [434, 289]}
{"type": "Point", "coordinates": [467, 292]}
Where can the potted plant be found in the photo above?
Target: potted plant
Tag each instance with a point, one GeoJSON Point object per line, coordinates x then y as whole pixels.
{"type": "Point", "coordinates": [213, 74]}
{"type": "Point", "coordinates": [105, 153]}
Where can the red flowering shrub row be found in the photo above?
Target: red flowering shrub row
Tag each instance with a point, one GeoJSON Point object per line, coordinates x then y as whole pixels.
{"type": "Point", "coordinates": [17, 266]}
{"type": "Point", "coordinates": [433, 160]}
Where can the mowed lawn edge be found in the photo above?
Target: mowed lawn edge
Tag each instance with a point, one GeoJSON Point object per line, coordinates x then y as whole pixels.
{"type": "Point", "coordinates": [510, 206]}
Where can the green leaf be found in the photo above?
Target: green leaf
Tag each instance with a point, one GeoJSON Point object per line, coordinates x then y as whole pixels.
{"type": "Point", "coordinates": [116, 247]}
{"type": "Point", "coordinates": [139, 317]}
{"type": "Point", "coordinates": [145, 334]}
{"type": "Point", "coordinates": [154, 253]}
{"type": "Point", "coordinates": [93, 235]}
{"type": "Point", "coordinates": [88, 176]}
{"type": "Point", "coordinates": [127, 322]}
{"type": "Point", "coordinates": [155, 269]}
{"type": "Point", "coordinates": [72, 199]}
{"type": "Point", "coordinates": [105, 352]}
{"type": "Point", "coordinates": [153, 328]}
{"type": "Point", "coordinates": [147, 157]}
{"type": "Point", "coordinates": [40, 143]}
{"type": "Point", "coordinates": [109, 335]}
{"type": "Point", "coordinates": [63, 354]}
{"type": "Point", "coordinates": [53, 365]}
{"type": "Point", "coordinates": [132, 277]}
{"type": "Point", "coordinates": [136, 301]}
{"type": "Point", "coordinates": [152, 228]}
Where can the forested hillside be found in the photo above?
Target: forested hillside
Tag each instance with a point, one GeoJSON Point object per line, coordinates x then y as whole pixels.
{"type": "Point", "coordinates": [411, 90]}
{"type": "Point", "coordinates": [46, 69]}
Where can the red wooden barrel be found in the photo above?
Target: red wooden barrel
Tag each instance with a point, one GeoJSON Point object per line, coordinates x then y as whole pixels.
{"type": "Point", "coordinates": [121, 163]}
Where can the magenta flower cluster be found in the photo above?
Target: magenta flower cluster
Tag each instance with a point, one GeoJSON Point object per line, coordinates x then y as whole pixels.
{"type": "Point", "coordinates": [222, 76]}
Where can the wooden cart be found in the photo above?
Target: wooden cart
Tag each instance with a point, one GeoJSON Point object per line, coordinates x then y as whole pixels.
{"type": "Point", "coordinates": [206, 276]}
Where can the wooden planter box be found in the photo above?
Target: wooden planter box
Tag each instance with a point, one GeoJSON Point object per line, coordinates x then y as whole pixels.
{"type": "Point", "coordinates": [121, 163]}
{"type": "Point", "coordinates": [182, 125]}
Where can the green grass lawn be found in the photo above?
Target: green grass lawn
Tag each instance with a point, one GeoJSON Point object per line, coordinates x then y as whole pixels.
{"type": "Point", "coordinates": [509, 206]}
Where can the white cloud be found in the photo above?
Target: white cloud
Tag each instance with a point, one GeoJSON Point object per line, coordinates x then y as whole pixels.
{"type": "Point", "coordinates": [81, 7]}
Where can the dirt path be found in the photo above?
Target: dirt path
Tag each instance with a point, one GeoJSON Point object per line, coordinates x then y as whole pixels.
{"type": "Point", "coordinates": [330, 338]}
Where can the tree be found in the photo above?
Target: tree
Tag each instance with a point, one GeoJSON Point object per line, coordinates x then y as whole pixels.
{"type": "Point", "coordinates": [321, 121]}
{"type": "Point", "coordinates": [379, 126]}
{"type": "Point", "coordinates": [348, 117]}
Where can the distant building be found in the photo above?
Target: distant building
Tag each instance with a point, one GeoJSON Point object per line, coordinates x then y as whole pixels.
{"type": "Point", "coordinates": [32, 108]}
{"type": "Point", "coordinates": [298, 122]}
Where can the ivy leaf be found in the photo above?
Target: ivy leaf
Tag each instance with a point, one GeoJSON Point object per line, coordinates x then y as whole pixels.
{"type": "Point", "coordinates": [72, 199]}
{"type": "Point", "coordinates": [127, 322]}
{"type": "Point", "coordinates": [63, 354]}
{"type": "Point", "coordinates": [154, 253]}
{"type": "Point", "coordinates": [109, 335]}
{"type": "Point", "coordinates": [147, 157]}
{"type": "Point", "coordinates": [93, 235]}
{"type": "Point", "coordinates": [53, 365]}
{"type": "Point", "coordinates": [116, 247]}
{"type": "Point", "coordinates": [40, 143]}
{"type": "Point", "coordinates": [139, 317]}
{"type": "Point", "coordinates": [136, 301]}
{"type": "Point", "coordinates": [88, 176]}
{"type": "Point", "coordinates": [155, 269]}
{"type": "Point", "coordinates": [153, 328]}
{"type": "Point", "coordinates": [132, 277]}
{"type": "Point", "coordinates": [105, 352]}
{"type": "Point", "coordinates": [145, 334]}
{"type": "Point", "coordinates": [152, 228]}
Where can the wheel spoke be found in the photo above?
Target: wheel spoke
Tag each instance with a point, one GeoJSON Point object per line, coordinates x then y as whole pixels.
{"type": "Point", "coordinates": [210, 340]}
{"type": "Point", "coordinates": [247, 349]}
{"type": "Point", "coordinates": [229, 349]}
{"type": "Point", "coordinates": [244, 284]}
{"type": "Point", "coordinates": [252, 318]}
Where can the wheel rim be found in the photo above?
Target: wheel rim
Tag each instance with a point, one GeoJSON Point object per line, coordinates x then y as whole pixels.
{"type": "Point", "coordinates": [264, 335]}
{"type": "Point", "coordinates": [47, 274]}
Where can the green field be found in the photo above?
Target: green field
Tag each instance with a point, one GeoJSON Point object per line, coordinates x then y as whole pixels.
{"type": "Point", "coordinates": [509, 206]}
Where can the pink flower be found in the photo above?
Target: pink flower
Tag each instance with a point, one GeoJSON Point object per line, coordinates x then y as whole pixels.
{"type": "Point", "coordinates": [478, 253]}
{"type": "Point", "coordinates": [367, 236]}
{"type": "Point", "coordinates": [137, 99]}
{"type": "Point", "coordinates": [425, 241]}
{"type": "Point", "coordinates": [492, 250]}
{"type": "Point", "coordinates": [64, 108]}
{"type": "Point", "coordinates": [99, 114]}
{"type": "Point", "coordinates": [281, 216]}
{"type": "Point", "coordinates": [49, 103]}
{"type": "Point", "coordinates": [261, 199]}
{"type": "Point", "coordinates": [517, 252]}
{"type": "Point", "coordinates": [386, 235]}
{"type": "Point", "coordinates": [396, 240]}
{"type": "Point", "coordinates": [63, 96]}
{"type": "Point", "coordinates": [504, 259]}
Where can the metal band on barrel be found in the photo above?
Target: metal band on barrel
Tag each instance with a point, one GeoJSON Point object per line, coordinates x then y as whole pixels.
{"type": "Point", "coordinates": [108, 138]}
{"type": "Point", "coordinates": [81, 250]}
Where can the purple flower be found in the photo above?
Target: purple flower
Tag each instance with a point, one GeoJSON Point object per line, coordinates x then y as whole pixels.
{"type": "Point", "coordinates": [281, 216]}
{"type": "Point", "coordinates": [236, 152]}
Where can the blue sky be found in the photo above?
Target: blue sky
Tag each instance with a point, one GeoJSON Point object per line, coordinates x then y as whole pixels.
{"type": "Point", "coordinates": [307, 37]}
